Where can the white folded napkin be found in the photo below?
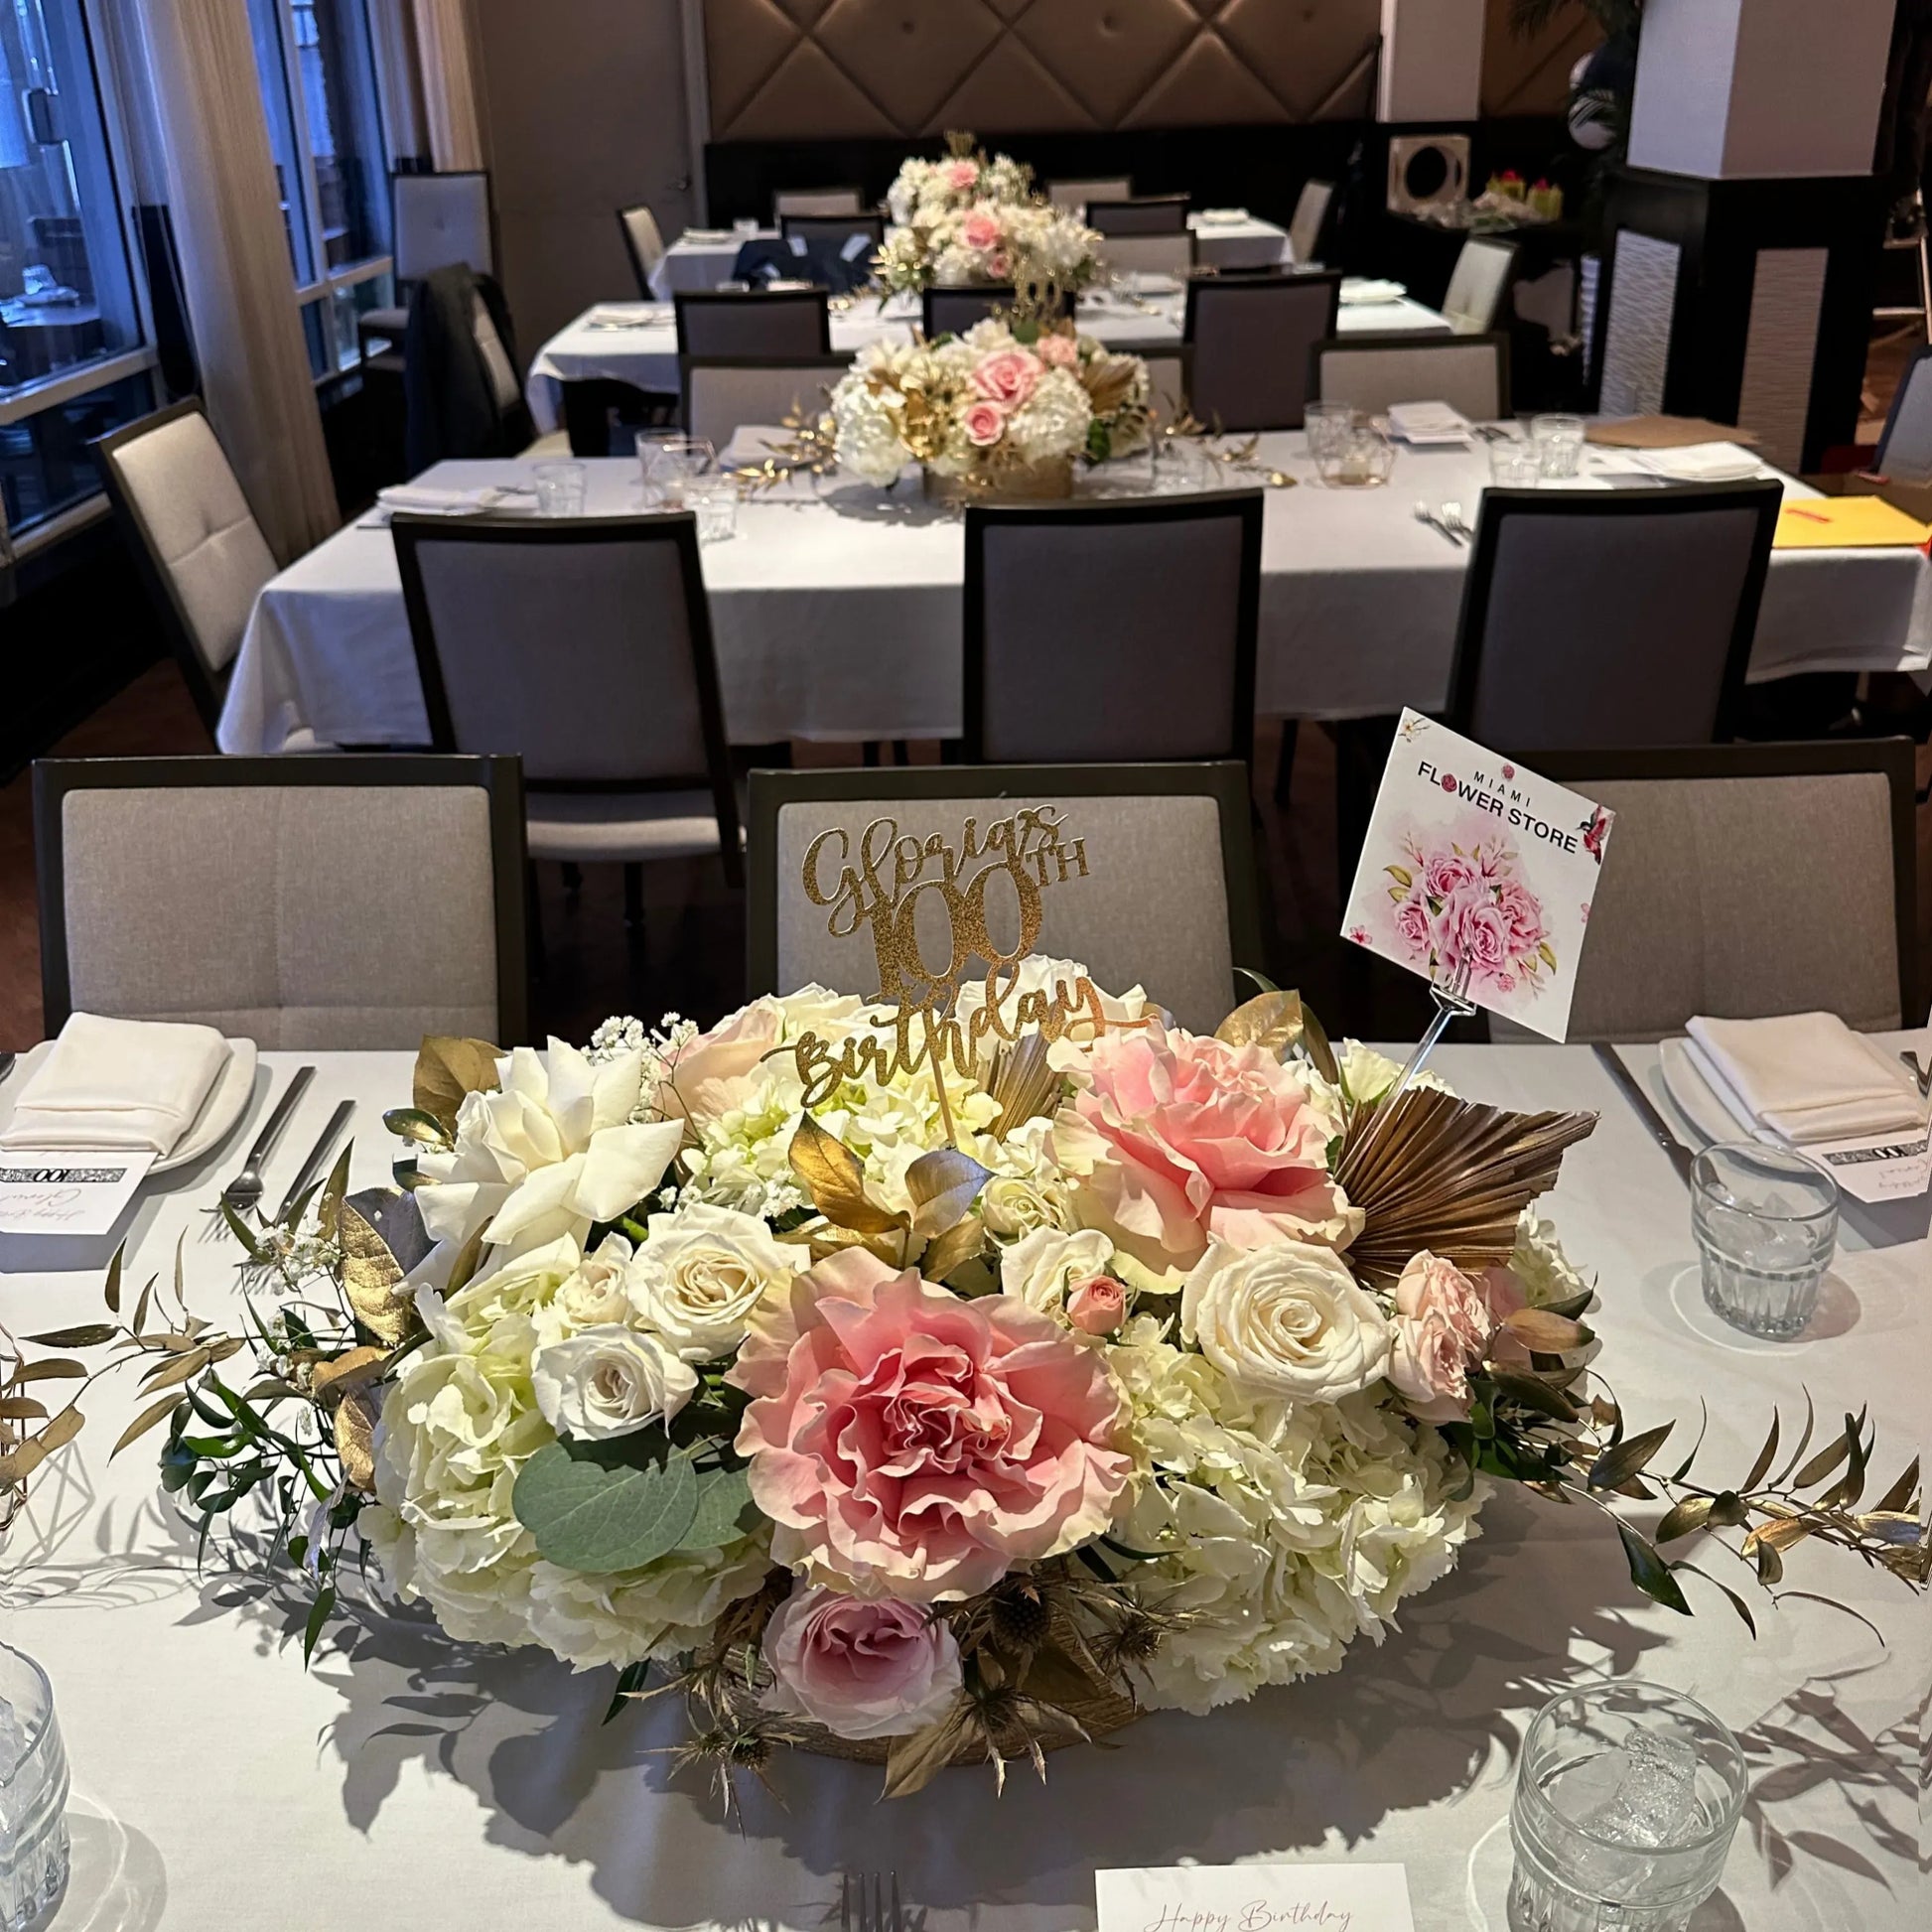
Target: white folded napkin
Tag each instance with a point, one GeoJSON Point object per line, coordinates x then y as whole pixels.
{"type": "Point", "coordinates": [1806, 1076]}
{"type": "Point", "coordinates": [1221, 217]}
{"type": "Point", "coordinates": [1700, 461]}
{"type": "Point", "coordinates": [1359, 290]}
{"type": "Point", "coordinates": [436, 499]}
{"type": "Point", "coordinates": [1429, 422]}
{"type": "Point", "coordinates": [626, 315]}
{"type": "Point", "coordinates": [119, 1085]}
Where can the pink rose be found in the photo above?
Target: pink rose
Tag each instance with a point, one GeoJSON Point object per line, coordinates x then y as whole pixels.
{"type": "Point", "coordinates": [1442, 1324]}
{"type": "Point", "coordinates": [961, 174]}
{"type": "Point", "coordinates": [984, 423]}
{"type": "Point", "coordinates": [861, 1669]}
{"type": "Point", "coordinates": [1447, 873]}
{"type": "Point", "coordinates": [980, 231]}
{"type": "Point", "coordinates": [1522, 915]}
{"type": "Point", "coordinates": [1471, 931]}
{"type": "Point", "coordinates": [1097, 1305]}
{"type": "Point", "coordinates": [1503, 1295]}
{"type": "Point", "coordinates": [1058, 351]}
{"type": "Point", "coordinates": [1176, 1139]}
{"type": "Point", "coordinates": [1414, 925]}
{"type": "Point", "coordinates": [1000, 268]}
{"type": "Point", "coordinates": [905, 1443]}
{"type": "Point", "coordinates": [1008, 376]}
{"type": "Point", "coordinates": [729, 1051]}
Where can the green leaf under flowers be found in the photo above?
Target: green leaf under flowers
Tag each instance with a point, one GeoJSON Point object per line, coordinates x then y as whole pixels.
{"type": "Point", "coordinates": [592, 1507]}
{"type": "Point", "coordinates": [725, 1511]}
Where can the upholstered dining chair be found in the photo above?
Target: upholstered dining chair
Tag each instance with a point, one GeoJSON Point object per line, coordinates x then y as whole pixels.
{"type": "Point", "coordinates": [1071, 613]}
{"type": "Point", "coordinates": [325, 902]}
{"type": "Point", "coordinates": [1150, 254]}
{"type": "Point", "coordinates": [1310, 216]}
{"type": "Point", "coordinates": [862, 233]}
{"type": "Point", "coordinates": [1478, 284]}
{"type": "Point", "coordinates": [1749, 880]}
{"type": "Point", "coordinates": [1468, 372]}
{"type": "Point", "coordinates": [200, 552]}
{"type": "Point", "coordinates": [1168, 901]}
{"type": "Point", "coordinates": [816, 200]}
{"type": "Point", "coordinates": [952, 312]}
{"type": "Point", "coordinates": [1143, 214]}
{"type": "Point", "coordinates": [643, 242]}
{"type": "Point", "coordinates": [1905, 448]}
{"type": "Point", "coordinates": [1251, 340]}
{"type": "Point", "coordinates": [1074, 195]}
{"type": "Point", "coordinates": [584, 645]}
{"type": "Point", "coordinates": [436, 220]}
{"type": "Point", "coordinates": [725, 393]}
{"type": "Point", "coordinates": [753, 321]}
{"type": "Point", "coordinates": [1612, 617]}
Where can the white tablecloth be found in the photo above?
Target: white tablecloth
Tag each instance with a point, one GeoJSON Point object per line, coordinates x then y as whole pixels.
{"type": "Point", "coordinates": [840, 619]}
{"type": "Point", "coordinates": [691, 262]}
{"type": "Point", "coordinates": [637, 342]}
{"type": "Point", "coordinates": [409, 1783]}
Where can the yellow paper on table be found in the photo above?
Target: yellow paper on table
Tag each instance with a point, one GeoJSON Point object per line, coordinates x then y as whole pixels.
{"type": "Point", "coordinates": [1847, 522]}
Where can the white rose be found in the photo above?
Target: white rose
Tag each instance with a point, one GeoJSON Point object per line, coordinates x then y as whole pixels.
{"type": "Point", "coordinates": [593, 1297]}
{"type": "Point", "coordinates": [703, 1271]}
{"type": "Point", "coordinates": [608, 1382]}
{"type": "Point", "coordinates": [1289, 1320]}
{"type": "Point", "coordinates": [1013, 1204]}
{"type": "Point", "coordinates": [1369, 1076]}
{"type": "Point", "coordinates": [1039, 1269]}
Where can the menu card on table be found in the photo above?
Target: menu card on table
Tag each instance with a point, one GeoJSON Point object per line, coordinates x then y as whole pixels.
{"type": "Point", "coordinates": [67, 1192]}
{"type": "Point", "coordinates": [1478, 871]}
{"type": "Point", "coordinates": [1255, 1898]}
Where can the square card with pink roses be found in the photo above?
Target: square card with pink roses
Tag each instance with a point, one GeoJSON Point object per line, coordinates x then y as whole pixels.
{"type": "Point", "coordinates": [1474, 865]}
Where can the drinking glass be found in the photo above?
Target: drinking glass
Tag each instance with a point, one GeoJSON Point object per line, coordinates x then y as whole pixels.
{"type": "Point", "coordinates": [560, 489]}
{"type": "Point", "coordinates": [1324, 424]}
{"type": "Point", "coordinates": [1360, 458]}
{"type": "Point", "coordinates": [1559, 444]}
{"type": "Point", "coordinates": [670, 463]}
{"type": "Point", "coordinates": [1766, 1225]}
{"type": "Point", "coordinates": [1626, 1799]}
{"type": "Point", "coordinates": [1515, 466]}
{"type": "Point", "coordinates": [714, 502]}
{"type": "Point", "coordinates": [32, 1794]}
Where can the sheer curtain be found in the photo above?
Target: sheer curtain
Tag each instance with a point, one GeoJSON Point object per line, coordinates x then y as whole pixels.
{"type": "Point", "coordinates": [240, 283]}
{"type": "Point", "coordinates": [449, 75]}
{"type": "Point", "coordinates": [393, 33]}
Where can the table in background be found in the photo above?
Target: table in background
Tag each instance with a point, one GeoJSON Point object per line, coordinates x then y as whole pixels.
{"type": "Point", "coordinates": [637, 342]}
{"type": "Point", "coordinates": [705, 258]}
{"type": "Point", "coordinates": [475, 1787]}
{"type": "Point", "coordinates": [840, 619]}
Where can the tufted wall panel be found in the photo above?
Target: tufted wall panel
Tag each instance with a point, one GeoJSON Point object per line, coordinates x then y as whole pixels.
{"type": "Point", "coordinates": [800, 69]}
{"type": "Point", "coordinates": [1530, 73]}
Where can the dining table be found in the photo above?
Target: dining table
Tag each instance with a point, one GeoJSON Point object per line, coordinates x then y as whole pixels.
{"type": "Point", "coordinates": [836, 609]}
{"type": "Point", "coordinates": [636, 342]}
{"type": "Point", "coordinates": [703, 258]}
{"type": "Point", "coordinates": [413, 1781]}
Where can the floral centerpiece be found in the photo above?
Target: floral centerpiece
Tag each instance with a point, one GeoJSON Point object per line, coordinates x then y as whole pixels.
{"type": "Point", "coordinates": [934, 1382]}
{"type": "Point", "coordinates": [969, 219]}
{"type": "Point", "coordinates": [1008, 407]}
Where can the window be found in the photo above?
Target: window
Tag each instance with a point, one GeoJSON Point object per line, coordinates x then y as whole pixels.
{"type": "Point", "coordinates": [318, 89]}
{"type": "Point", "coordinates": [71, 357]}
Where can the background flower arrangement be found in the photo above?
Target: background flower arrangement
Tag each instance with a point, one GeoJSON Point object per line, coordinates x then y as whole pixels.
{"type": "Point", "coordinates": [1010, 395]}
{"type": "Point", "coordinates": [1175, 1376]}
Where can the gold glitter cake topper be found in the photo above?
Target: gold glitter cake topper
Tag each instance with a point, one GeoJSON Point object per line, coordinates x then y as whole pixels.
{"type": "Point", "coordinates": [879, 884]}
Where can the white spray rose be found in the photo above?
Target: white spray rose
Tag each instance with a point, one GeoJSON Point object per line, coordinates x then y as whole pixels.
{"type": "Point", "coordinates": [1041, 1267]}
{"type": "Point", "coordinates": [703, 1271]}
{"type": "Point", "coordinates": [1288, 1321]}
{"type": "Point", "coordinates": [608, 1381]}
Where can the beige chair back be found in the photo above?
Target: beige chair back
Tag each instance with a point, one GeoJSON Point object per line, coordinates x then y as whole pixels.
{"type": "Point", "coordinates": [723, 396]}
{"type": "Point", "coordinates": [441, 220]}
{"type": "Point", "coordinates": [1475, 301]}
{"type": "Point", "coordinates": [1304, 229]}
{"type": "Point", "coordinates": [1149, 255]}
{"type": "Point", "coordinates": [1073, 196]}
{"type": "Point", "coordinates": [815, 201]}
{"type": "Point", "coordinates": [1468, 372]}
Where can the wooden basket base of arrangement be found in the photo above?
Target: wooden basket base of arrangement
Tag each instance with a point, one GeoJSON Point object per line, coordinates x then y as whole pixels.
{"type": "Point", "coordinates": [1031, 483]}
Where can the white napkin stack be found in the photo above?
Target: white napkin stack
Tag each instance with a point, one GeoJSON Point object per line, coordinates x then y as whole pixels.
{"type": "Point", "coordinates": [1359, 290]}
{"type": "Point", "coordinates": [626, 315]}
{"type": "Point", "coordinates": [1806, 1076]}
{"type": "Point", "coordinates": [1429, 422]}
{"type": "Point", "coordinates": [118, 1084]}
{"type": "Point", "coordinates": [436, 499]}
{"type": "Point", "coordinates": [1700, 463]}
{"type": "Point", "coordinates": [1220, 217]}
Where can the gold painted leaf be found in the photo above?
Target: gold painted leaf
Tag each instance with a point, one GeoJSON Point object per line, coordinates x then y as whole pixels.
{"type": "Point", "coordinates": [372, 1279]}
{"type": "Point", "coordinates": [1681, 1518]}
{"type": "Point", "coordinates": [355, 1420]}
{"type": "Point", "coordinates": [943, 1186]}
{"type": "Point", "coordinates": [953, 1248]}
{"type": "Point", "coordinates": [1269, 1021]}
{"type": "Point", "coordinates": [1547, 1333]}
{"type": "Point", "coordinates": [1630, 1458]}
{"type": "Point", "coordinates": [21, 1407]}
{"type": "Point", "coordinates": [412, 1124]}
{"type": "Point", "coordinates": [154, 1413]}
{"type": "Point", "coordinates": [446, 1068]}
{"type": "Point", "coordinates": [914, 1762]}
{"type": "Point", "coordinates": [836, 1181]}
{"type": "Point", "coordinates": [1780, 1534]}
{"type": "Point", "coordinates": [347, 1374]}
{"type": "Point", "coordinates": [1022, 1084]}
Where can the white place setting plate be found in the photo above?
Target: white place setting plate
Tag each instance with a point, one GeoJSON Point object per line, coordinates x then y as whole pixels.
{"type": "Point", "coordinates": [226, 1102]}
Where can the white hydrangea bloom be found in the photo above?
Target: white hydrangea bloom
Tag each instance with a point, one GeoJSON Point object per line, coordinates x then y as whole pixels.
{"type": "Point", "coordinates": [1054, 422]}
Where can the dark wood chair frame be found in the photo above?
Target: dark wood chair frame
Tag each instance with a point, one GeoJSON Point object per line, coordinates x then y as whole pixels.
{"type": "Point", "coordinates": [1223, 781]}
{"type": "Point", "coordinates": [501, 777]}
{"type": "Point", "coordinates": [1500, 507]}
{"type": "Point", "coordinates": [1245, 505]}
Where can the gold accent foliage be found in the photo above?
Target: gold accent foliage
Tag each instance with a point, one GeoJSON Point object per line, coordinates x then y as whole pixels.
{"type": "Point", "coordinates": [1271, 1020]}
{"type": "Point", "coordinates": [372, 1279]}
{"type": "Point", "coordinates": [943, 1186]}
{"type": "Point", "coordinates": [1022, 1083]}
{"type": "Point", "coordinates": [960, 1243]}
{"type": "Point", "coordinates": [1446, 1175]}
{"type": "Point", "coordinates": [347, 1375]}
{"type": "Point", "coordinates": [836, 1181]}
{"type": "Point", "coordinates": [355, 1420]}
{"type": "Point", "coordinates": [448, 1068]}
{"type": "Point", "coordinates": [1018, 482]}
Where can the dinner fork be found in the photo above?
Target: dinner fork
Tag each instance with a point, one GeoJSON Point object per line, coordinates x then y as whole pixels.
{"type": "Point", "coordinates": [865, 1904]}
{"type": "Point", "coordinates": [1423, 514]}
{"type": "Point", "coordinates": [246, 1190]}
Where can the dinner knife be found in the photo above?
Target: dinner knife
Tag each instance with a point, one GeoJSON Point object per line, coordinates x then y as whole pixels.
{"type": "Point", "coordinates": [324, 1147]}
{"type": "Point", "coordinates": [1645, 1109]}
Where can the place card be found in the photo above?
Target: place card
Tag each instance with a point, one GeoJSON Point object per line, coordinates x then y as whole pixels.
{"type": "Point", "coordinates": [1255, 1898]}
{"type": "Point", "coordinates": [67, 1192]}
{"type": "Point", "coordinates": [1475, 866]}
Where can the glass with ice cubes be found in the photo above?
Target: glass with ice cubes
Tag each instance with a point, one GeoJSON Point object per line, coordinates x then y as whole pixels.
{"type": "Point", "coordinates": [1626, 1799]}
{"type": "Point", "coordinates": [32, 1794]}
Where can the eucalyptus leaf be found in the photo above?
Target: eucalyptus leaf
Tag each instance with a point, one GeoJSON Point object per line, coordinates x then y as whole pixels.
{"type": "Point", "coordinates": [725, 1511]}
{"type": "Point", "coordinates": [590, 1511]}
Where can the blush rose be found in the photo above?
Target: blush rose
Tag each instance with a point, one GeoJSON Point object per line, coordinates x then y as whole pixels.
{"type": "Point", "coordinates": [984, 423]}
{"type": "Point", "coordinates": [980, 231]}
{"type": "Point", "coordinates": [877, 1669]}
{"type": "Point", "coordinates": [1008, 376]}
